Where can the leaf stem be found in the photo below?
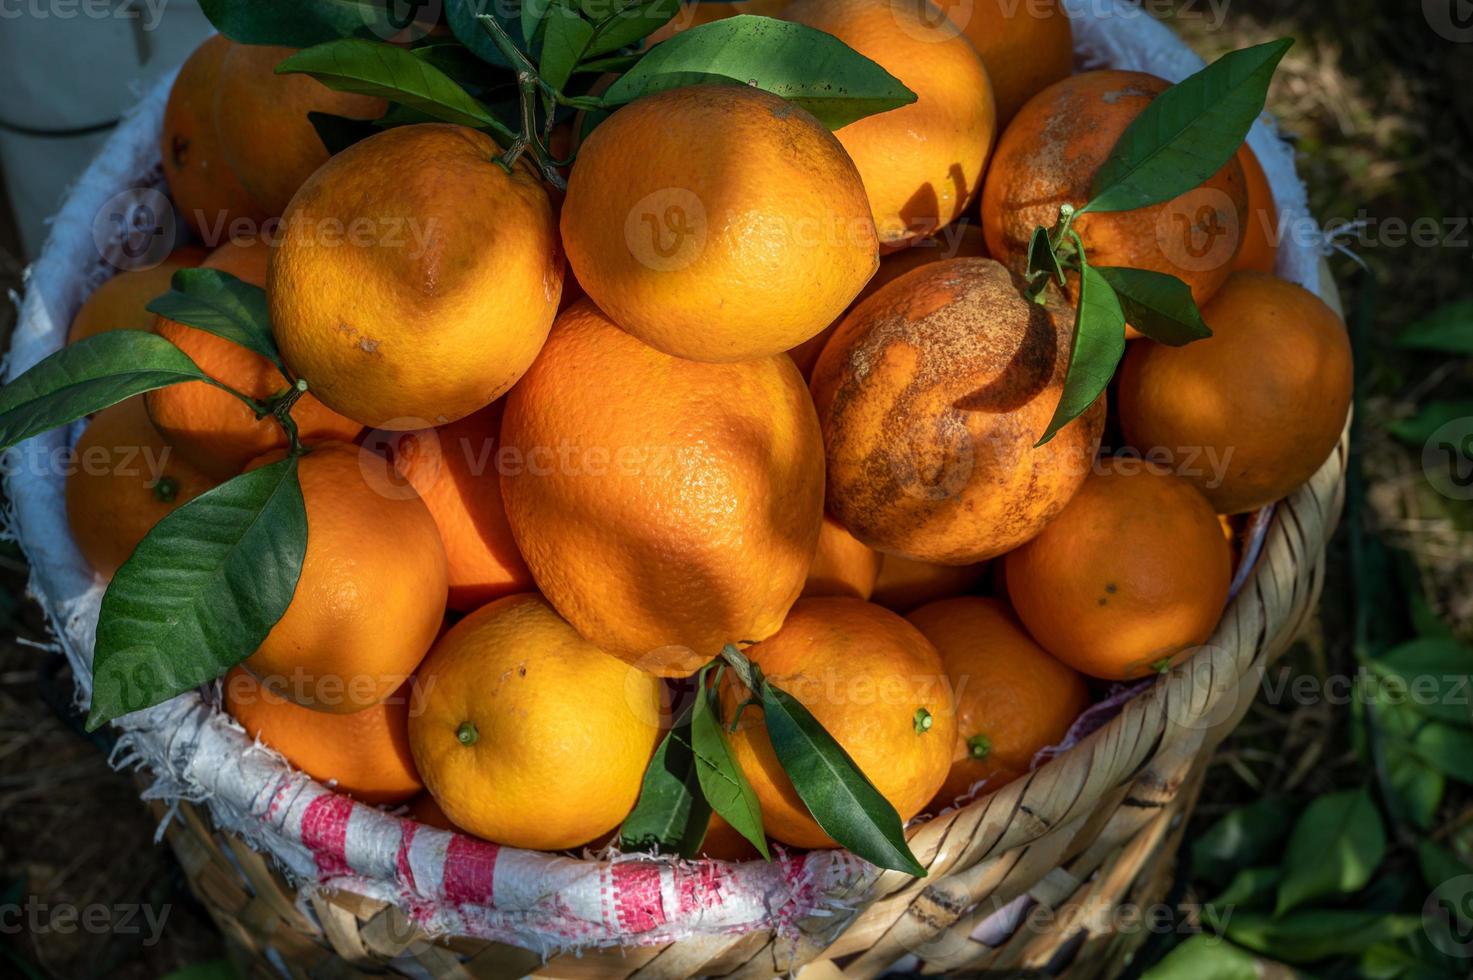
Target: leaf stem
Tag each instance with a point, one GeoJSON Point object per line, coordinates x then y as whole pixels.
{"type": "Point", "coordinates": [281, 410]}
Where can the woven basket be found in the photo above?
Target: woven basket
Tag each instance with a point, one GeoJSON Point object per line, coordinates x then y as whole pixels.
{"type": "Point", "coordinates": [1045, 874]}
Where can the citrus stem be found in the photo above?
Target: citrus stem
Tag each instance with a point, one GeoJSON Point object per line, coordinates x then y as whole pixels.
{"type": "Point", "coordinates": [923, 721]}
{"type": "Point", "coordinates": [530, 86]}
{"type": "Point", "coordinates": [166, 490]}
{"type": "Point", "coordinates": [467, 734]}
{"type": "Point", "coordinates": [979, 746]}
{"type": "Point", "coordinates": [281, 410]}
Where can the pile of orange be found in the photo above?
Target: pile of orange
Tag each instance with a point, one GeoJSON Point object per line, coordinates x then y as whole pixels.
{"type": "Point", "coordinates": [796, 411]}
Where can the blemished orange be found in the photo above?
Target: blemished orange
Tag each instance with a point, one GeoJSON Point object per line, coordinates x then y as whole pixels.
{"type": "Point", "coordinates": [904, 584]}
{"type": "Point", "coordinates": [453, 468]}
{"type": "Point", "coordinates": [1260, 249]}
{"type": "Point", "coordinates": [261, 121]}
{"type": "Point", "coordinates": [1260, 404]}
{"type": "Point", "coordinates": [372, 591]}
{"type": "Point", "coordinates": [212, 428]}
{"type": "Point", "coordinates": [1048, 157]}
{"type": "Point", "coordinates": [1012, 698]}
{"type": "Point", "coordinates": [364, 755]}
{"type": "Point", "coordinates": [204, 188]}
{"type": "Point", "coordinates": [960, 240]}
{"type": "Point", "coordinates": [119, 303]}
{"type": "Point", "coordinates": [1129, 579]}
{"type": "Point", "coordinates": [1026, 46]}
{"type": "Point", "coordinates": [921, 163]}
{"type": "Point", "coordinates": [874, 682]}
{"type": "Point", "coordinates": [124, 479]}
{"type": "Point", "coordinates": [448, 296]}
{"type": "Point", "coordinates": [531, 736]}
{"type": "Point", "coordinates": [718, 223]}
{"type": "Point", "coordinates": [843, 565]}
{"type": "Point", "coordinates": [666, 507]}
{"type": "Point", "coordinates": [932, 396]}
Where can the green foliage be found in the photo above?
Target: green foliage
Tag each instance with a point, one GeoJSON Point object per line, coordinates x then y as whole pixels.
{"type": "Point", "coordinates": [1449, 330]}
{"type": "Point", "coordinates": [201, 591]}
{"type": "Point", "coordinates": [219, 303]}
{"type": "Point", "coordinates": [1098, 346]}
{"type": "Point", "coordinates": [722, 782]}
{"type": "Point", "coordinates": [1336, 846]}
{"type": "Point", "coordinates": [672, 814]}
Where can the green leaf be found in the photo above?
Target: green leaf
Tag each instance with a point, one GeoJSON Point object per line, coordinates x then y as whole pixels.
{"type": "Point", "coordinates": [1431, 416]}
{"type": "Point", "coordinates": [1241, 837]}
{"type": "Point", "coordinates": [1157, 304]}
{"type": "Point", "coordinates": [1390, 962]}
{"type": "Point", "coordinates": [337, 133]}
{"type": "Point", "coordinates": [1449, 330]}
{"type": "Point", "coordinates": [839, 796]}
{"type": "Point", "coordinates": [533, 13]}
{"type": "Point", "coordinates": [568, 36]}
{"type": "Point", "coordinates": [1434, 675]}
{"type": "Point", "coordinates": [1250, 886]}
{"type": "Point", "coordinates": [1188, 132]}
{"type": "Point", "coordinates": [1316, 934]}
{"type": "Point", "coordinates": [671, 814]}
{"type": "Point", "coordinates": [462, 15]}
{"type": "Point", "coordinates": [200, 592]}
{"type": "Point", "coordinates": [219, 303]}
{"type": "Point", "coordinates": [208, 970]}
{"type": "Point", "coordinates": [807, 67]}
{"type": "Point", "coordinates": [722, 782]}
{"type": "Point", "coordinates": [1417, 788]}
{"type": "Point", "coordinates": [1337, 844]}
{"type": "Point", "coordinates": [632, 24]}
{"type": "Point", "coordinates": [1204, 957]}
{"type": "Point", "coordinates": [1098, 346]}
{"type": "Point", "coordinates": [87, 377]}
{"type": "Point", "coordinates": [1447, 749]}
{"type": "Point", "coordinates": [1439, 865]}
{"type": "Point", "coordinates": [1042, 259]}
{"type": "Point", "coordinates": [389, 72]}
{"type": "Point", "coordinates": [300, 23]}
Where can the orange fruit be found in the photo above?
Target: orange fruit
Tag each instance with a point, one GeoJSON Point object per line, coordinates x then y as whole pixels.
{"type": "Point", "coordinates": [453, 468]}
{"type": "Point", "coordinates": [425, 810]}
{"type": "Point", "coordinates": [364, 755]}
{"type": "Point", "coordinates": [932, 395]}
{"type": "Point", "coordinates": [1129, 578]}
{"type": "Point", "coordinates": [904, 584]}
{"type": "Point", "coordinates": [118, 304]}
{"type": "Point", "coordinates": [875, 684]}
{"type": "Point", "coordinates": [1012, 698]}
{"type": "Point", "coordinates": [724, 843]}
{"type": "Point", "coordinates": [530, 735]}
{"type": "Point", "coordinates": [372, 590]}
{"type": "Point", "coordinates": [961, 240]}
{"type": "Point", "coordinates": [204, 188]}
{"type": "Point", "coordinates": [1026, 46]}
{"type": "Point", "coordinates": [718, 223]}
{"type": "Point", "coordinates": [1260, 249]}
{"type": "Point", "coordinates": [1048, 157]}
{"type": "Point", "coordinates": [124, 479]}
{"type": "Point", "coordinates": [666, 507]}
{"type": "Point", "coordinates": [1254, 410]}
{"type": "Point", "coordinates": [262, 125]}
{"type": "Point", "coordinates": [443, 303]}
{"type": "Point", "coordinates": [212, 428]}
{"type": "Point", "coordinates": [843, 565]}
{"type": "Point", "coordinates": [921, 163]}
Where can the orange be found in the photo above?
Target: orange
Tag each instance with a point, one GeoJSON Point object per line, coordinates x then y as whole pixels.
{"type": "Point", "coordinates": [1254, 410]}
{"type": "Point", "coordinates": [212, 428]}
{"type": "Point", "coordinates": [205, 189]}
{"type": "Point", "coordinates": [372, 590]}
{"type": "Point", "coordinates": [124, 479]}
{"type": "Point", "coordinates": [453, 468]}
{"type": "Point", "coordinates": [875, 684]}
{"type": "Point", "coordinates": [443, 300]}
{"type": "Point", "coordinates": [718, 223]}
{"type": "Point", "coordinates": [1027, 45]}
{"type": "Point", "coordinates": [1260, 249]}
{"type": "Point", "coordinates": [904, 584]}
{"type": "Point", "coordinates": [921, 163]}
{"type": "Point", "coordinates": [932, 395]}
{"type": "Point", "coordinates": [666, 507]}
{"type": "Point", "coordinates": [262, 125]}
{"type": "Point", "coordinates": [961, 240]}
{"type": "Point", "coordinates": [530, 735]}
{"type": "Point", "coordinates": [1048, 157]}
{"type": "Point", "coordinates": [1131, 577]}
{"type": "Point", "coordinates": [118, 304]}
{"type": "Point", "coordinates": [425, 810]}
{"type": "Point", "coordinates": [843, 565]}
{"type": "Point", "coordinates": [364, 755]}
{"type": "Point", "coordinates": [724, 843]}
{"type": "Point", "coordinates": [1012, 698]}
